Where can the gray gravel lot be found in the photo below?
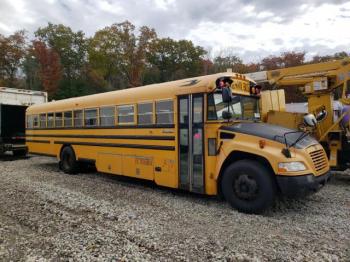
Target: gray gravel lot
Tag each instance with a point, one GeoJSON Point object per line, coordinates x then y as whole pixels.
{"type": "Point", "coordinates": [48, 215]}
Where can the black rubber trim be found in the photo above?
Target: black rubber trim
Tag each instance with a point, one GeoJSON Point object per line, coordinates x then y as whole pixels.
{"type": "Point", "coordinates": [107, 127]}
{"type": "Point", "coordinates": [87, 160]}
{"type": "Point", "coordinates": [41, 154]}
{"type": "Point", "coordinates": [167, 148]}
{"type": "Point", "coordinates": [225, 135]}
{"type": "Point", "coordinates": [170, 138]}
{"type": "Point", "coordinates": [38, 141]}
{"type": "Point", "coordinates": [299, 186]}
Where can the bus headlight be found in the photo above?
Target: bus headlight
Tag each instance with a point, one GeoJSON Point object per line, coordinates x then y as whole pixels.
{"type": "Point", "coordinates": [291, 167]}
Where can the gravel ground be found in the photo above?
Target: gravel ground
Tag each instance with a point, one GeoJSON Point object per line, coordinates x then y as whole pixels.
{"type": "Point", "coordinates": [48, 215]}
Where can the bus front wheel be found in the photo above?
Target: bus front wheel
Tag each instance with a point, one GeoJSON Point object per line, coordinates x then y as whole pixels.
{"type": "Point", "coordinates": [68, 162]}
{"type": "Point", "coordinates": [248, 186]}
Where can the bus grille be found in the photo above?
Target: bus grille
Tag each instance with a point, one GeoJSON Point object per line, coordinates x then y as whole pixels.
{"type": "Point", "coordinates": [319, 159]}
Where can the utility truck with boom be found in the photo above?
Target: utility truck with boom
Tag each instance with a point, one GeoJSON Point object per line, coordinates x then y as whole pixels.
{"type": "Point", "coordinates": [327, 89]}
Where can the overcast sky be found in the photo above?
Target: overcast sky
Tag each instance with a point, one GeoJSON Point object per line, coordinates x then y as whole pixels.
{"type": "Point", "coordinates": [251, 29]}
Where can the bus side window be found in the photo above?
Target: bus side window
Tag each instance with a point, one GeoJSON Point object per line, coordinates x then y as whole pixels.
{"type": "Point", "coordinates": [211, 107]}
{"type": "Point", "coordinates": [35, 121]}
{"type": "Point", "coordinates": [165, 112]}
{"type": "Point", "coordinates": [29, 121]}
{"type": "Point", "coordinates": [78, 118]}
{"type": "Point", "coordinates": [50, 120]}
{"type": "Point", "coordinates": [42, 120]}
{"type": "Point", "coordinates": [58, 119]}
{"type": "Point", "coordinates": [68, 119]}
{"type": "Point", "coordinates": [145, 113]}
{"type": "Point", "coordinates": [91, 117]}
{"type": "Point", "coordinates": [126, 114]}
{"type": "Point", "coordinates": [107, 116]}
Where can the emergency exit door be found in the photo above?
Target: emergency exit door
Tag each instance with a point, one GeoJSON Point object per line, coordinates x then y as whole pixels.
{"type": "Point", "coordinates": [191, 139]}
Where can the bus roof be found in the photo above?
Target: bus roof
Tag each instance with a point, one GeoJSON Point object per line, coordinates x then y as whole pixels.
{"type": "Point", "coordinates": [134, 95]}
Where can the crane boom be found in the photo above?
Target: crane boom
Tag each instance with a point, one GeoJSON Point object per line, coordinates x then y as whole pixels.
{"type": "Point", "coordinates": [319, 82]}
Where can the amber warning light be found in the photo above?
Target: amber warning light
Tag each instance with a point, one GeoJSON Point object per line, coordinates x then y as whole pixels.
{"type": "Point", "coordinates": [255, 90]}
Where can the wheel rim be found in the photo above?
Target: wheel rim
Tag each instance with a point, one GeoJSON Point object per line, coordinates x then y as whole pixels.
{"type": "Point", "coordinates": [245, 187]}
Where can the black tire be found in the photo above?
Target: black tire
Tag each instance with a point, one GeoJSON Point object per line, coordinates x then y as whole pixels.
{"type": "Point", "coordinates": [68, 162]}
{"type": "Point", "coordinates": [248, 186]}
{"type": "Point", "coordinates": [20, 153]}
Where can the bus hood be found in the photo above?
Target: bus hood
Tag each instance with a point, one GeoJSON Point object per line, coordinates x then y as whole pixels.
{"type": "Point", "coordinates": [271, 132]}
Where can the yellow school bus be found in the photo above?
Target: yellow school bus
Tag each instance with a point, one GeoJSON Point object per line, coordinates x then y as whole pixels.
{"type": "Point", "coordinates": [201, 134]}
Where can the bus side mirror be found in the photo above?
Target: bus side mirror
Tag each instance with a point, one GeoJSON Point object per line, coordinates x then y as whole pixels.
{"type": "Point", "coordinates": [226, 95]}
{"type": "Point", "coordinates": [310, 120]}
{"type": "Point", "coordinates": [226, 115]}
{"type": "Point", "coordinates": [321, 116]}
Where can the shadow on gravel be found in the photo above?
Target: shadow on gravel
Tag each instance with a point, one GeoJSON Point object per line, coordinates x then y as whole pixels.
{"type": "Point", "coordinates": [282, 207]}
{"type": "Point", "coordinates": [341, 178]}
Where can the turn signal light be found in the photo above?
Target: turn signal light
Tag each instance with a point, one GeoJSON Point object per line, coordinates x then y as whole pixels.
{"type": "Point", "coordinates": [262, 143]}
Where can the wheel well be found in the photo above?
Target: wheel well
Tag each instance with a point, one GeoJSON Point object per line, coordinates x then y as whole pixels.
{"type": "Point", "coordinates": [239, 155]}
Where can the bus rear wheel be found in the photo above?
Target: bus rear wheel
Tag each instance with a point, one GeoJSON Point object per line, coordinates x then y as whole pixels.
{"type": "Point", "coordinates": [68, 162]}
{"type": "Point", "coordinates": [248, 186]}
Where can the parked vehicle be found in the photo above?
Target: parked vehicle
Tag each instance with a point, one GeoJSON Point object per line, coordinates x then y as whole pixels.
{"type": "Point", "coordinates": [200, 134]}
{"type": "Point", "coordinates": [327, 88]}
{"type": "Point", "coordinates": [13, 105]}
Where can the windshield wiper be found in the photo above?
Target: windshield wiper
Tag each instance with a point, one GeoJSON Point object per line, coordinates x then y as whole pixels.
{"type": "Point", "coordinates": [286, 151]}
{"type": "Point", "coordinates": [301, 137]}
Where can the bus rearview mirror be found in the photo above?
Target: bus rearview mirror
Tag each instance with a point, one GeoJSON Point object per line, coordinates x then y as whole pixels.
{"type": "Point", "coordinates": [226, 115]}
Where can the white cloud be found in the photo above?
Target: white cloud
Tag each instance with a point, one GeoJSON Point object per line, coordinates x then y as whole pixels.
{"type": "Point", "coordinates": [252, 28]}
{"type": "Point", "coordinates": [320, 27]}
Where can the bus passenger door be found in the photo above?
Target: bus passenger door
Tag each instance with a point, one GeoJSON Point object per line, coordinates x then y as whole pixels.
{"type": "Point", "coordinates": [191, 139]}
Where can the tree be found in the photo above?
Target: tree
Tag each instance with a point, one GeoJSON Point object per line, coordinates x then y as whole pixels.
{"type": "Point", "coordinates": [293, 58]}
{"type": "Point", "coordinates": [119, 55]}
{"type": "Point", "coordinates": [286, 59]}
{"type": "Point", "coordinates": [50, 70]}
{"type": "Point", "coordinates": [222, 63]}
{"type": "Point", "coordinates": [176, 59]}
{"type": "Point", "coordinates": [326, 58]}
{"type": "Point", "coordinates": [12, 52]}
{"type": "Point", "coordinates": [70, 46]}
{"type": "Point", "coordinates": [30, 67]}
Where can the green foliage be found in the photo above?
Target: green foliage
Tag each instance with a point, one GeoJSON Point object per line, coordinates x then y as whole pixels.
{"type": "Point", "coordinates": [12, 52]}
{"type": "Point", "coordinates": [173, 59]}
{"type": "Point", "coordinates": [71, 47]}
{"type": "Point", "coordinates": [118, 55]}
{"type": "Point", "coordinates": [30, 67]}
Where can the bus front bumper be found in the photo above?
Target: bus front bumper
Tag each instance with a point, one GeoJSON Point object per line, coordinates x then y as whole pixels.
{"type": "Point", "coordinates": [298, 186]}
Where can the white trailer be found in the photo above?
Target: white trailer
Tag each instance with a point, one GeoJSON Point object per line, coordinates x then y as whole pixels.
{"type": "Point", "coordinates": [13, 105]}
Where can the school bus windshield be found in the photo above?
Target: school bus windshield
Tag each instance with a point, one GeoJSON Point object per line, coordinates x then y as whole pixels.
{"type": "Point", "coordinates": [241, 107]}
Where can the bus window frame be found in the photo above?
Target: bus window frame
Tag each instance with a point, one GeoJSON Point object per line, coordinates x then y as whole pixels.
{"type": "Point", "coordinates": [71, 119]}
{"type": "Point", "coordinates": [29, 121]}
{"type": "Point", "coordinates": [134, 113]}
{"type": "Point", "coordinates": [114, 115]}
{"type": "Point", "coordinates": [97, 117]}
{"type": "Point", "coordinates": [152, 113]}
{"type": "Point", "coordinates": [82, 119]}
{"type": "Point", "coordinates": [40, 121]}
{"type": "Point", "coordinates": [36, 116]}
{"type": "Point", "coordinates": [53, 120]}
{"type": "Point", "coordinates": [173, 112]}
{"type": "Point", "coordinates": [62, 119]}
